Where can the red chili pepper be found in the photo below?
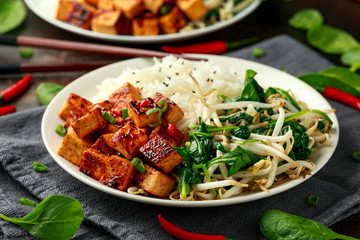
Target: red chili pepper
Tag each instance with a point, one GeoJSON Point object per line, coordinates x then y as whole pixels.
{"type": "Point", "coordinates": [7, 110]}
{"type": "Point", "coordinates": [119, 120]}
{"type": "Point", "coordinates": [185, 235]}
{"type": "Point", "coordinates": [116, 111]}
{"type": "Point", "coordinates": [215, 47]}
{"type": "Point", "coordinates": [16, 89]}
{"type": "Point", "coordinates": [343, 97]}
{"type": "Point", "coordinates": [145, 103]}
{"type": "Point", "coordinates": [172, 129]}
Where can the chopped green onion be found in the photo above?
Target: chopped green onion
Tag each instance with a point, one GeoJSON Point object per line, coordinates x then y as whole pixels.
{"type": "Point", "coordinates": [356, 156]}
{"type": "Point", "coordinates": [324, 115]}
{"type": "Point", "coordinates": [185, 189]}
{"type": "Point", "coordinates": [313, 200]}
{"type": "Point", "coordinates": [165, 9]}
{"type": "Point", "coordinates": [138, 164]}
{"type": "Point", "coordinates": [257, 52]}
{"type": "Point", "coordinates": [296, 115]}
{"type": "Point", "coordinates": [26, 52]}
{"type": "Point", "coordinates": [60, 130]}
{"type": "Point", "coordinates": [108, 117]}
{"type": "Point", "coordinates": [124, 113]}
{"type": "Point", "coordinates": [161, 110]}
{"type": "Point", "coordinates": [39, 167]}
{"type": "Point", "coordinates": [27, 202]}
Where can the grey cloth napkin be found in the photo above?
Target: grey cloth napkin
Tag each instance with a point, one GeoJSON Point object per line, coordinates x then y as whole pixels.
{"type": "Point", "coordinates": [109, 217]}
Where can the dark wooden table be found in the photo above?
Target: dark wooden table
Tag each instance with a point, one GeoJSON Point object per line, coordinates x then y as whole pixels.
{"type": "Point", "coordinates": [270, 19]}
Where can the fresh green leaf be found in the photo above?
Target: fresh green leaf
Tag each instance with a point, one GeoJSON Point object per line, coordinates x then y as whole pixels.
{"type": "Point", "coordinates": [278, 225]}
{"type": "Point", "coordinates": [355, 67]}
{"type": "Point", "coordinates": [350, 57]}
{"type": "Point", "coordinates": [331, 40]}
{"type": "Point", "coordinates": [320, 81]}
{"type": "Point", "coordinates": [45, 92]}
{"type": "Point", "coordinates": [344, 75]}
{"type": "Point", "coordinates": [241, 132]}
{"type": "Point", "coordinates": [301, 140]}
{"type": "Point", "coordinates": [306, 19]}
{"type": "Point", "coordinates": [27, 202]}
{"type": "Point", "coordinates": [56, 217]}
{"type": "Point", "coordinates": [12, 14]}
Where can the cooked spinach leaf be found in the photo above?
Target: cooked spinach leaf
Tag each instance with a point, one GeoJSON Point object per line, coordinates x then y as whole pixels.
{"type": "Point", "coordinates": [252, 90]}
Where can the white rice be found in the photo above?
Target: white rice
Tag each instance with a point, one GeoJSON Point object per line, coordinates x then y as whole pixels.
{"type": "Point", "coordinates": [170, 76]}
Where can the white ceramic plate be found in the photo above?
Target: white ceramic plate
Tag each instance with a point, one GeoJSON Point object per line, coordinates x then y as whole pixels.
{"type": "Point", "coordinates": [85, 86]}
{"type": "Point", "coordinates": [46, 10]}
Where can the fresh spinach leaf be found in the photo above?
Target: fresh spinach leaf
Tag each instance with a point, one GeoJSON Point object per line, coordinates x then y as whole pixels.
{"type": "Point", "coordinates": [12, 14]}
{"type": "Point", "coordinates": [350, 57]}
{"type": "Point", "coordinates": [306, 19]}
{"type": "Point", "coordinates": [56, 217]}
{"type": "Point", "coordinates": [278, 225]}
{"type": "Point", "coordinates": [320, 82]}
{"type": "Point", "coordinates": [344, 75]}
{"type": "Point", "coordinates": [331, 40]}
{"type": "Point", "coordinates": [45, 92]}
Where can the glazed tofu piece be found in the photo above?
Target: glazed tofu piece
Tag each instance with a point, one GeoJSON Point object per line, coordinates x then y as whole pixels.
{"type": "Point", "coordinates": [72, 147]}
{"type": "Point", "coordinates": [105, 105]}
{"type": "Point", "coordinates": [173, 21]}
{"type": "Point", "coordinates": [92, 163]}
{"type": "Point", "coordinates": [89, 123]}
{"type": "Point", "coordinates": [119, 173]}
{"type": "Point", "coordinates": [106, 4]}
{"type": "Point", "coordinates": [158, 152]}
{"type": "Point", "coordinates": [128, 140]}
{"type": "Point", "coordinates": [153, 5]}
{"type": "Point", "coordinates": [162, 131]}
{"type": "Point", "coordinates": [106, 21]}
{"type": "Point", "coordinates": [137, 113]}
{"type": "Point", "coordinates": [155, 182]}
{"type": "Point", "coordinates": [124, 95]}
{"type": "Point", "coordinates": [110, 128]}
{"type": "Point", "coordinates": [64, 7]}
{"type": "Point", "coordinates": [92, 2]}
{"type": "Point", "coordinates": [105, 145]}
{"type": "Point", "coordinates": [173, 113]}
{"type": "Point", "coordinates": [80, 15]}
{"type": "Point", "coordinates": [194, 9]}
{"type": "Point", "coordinates": [73, 101]}
{"type": "Point", "coordinates": [145, 26]}
{"type": "Point", "coordinates": [131, 8]}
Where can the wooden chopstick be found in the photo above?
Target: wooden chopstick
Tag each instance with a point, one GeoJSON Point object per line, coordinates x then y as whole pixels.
{"type": "Point", "coordinates": [12, 68]}
{"type": "Point", "coordinates": [86, 47]}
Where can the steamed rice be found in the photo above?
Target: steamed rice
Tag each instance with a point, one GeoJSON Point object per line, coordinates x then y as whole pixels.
{"type": "Point", "coordinates": [170, 76]}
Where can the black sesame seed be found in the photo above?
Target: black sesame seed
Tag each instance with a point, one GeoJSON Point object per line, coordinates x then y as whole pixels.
{"type": "Point", "coordinates": [208, 79]}
{"type": "Point", "coordinates": [137, 81]}
{"type": "Point", "coordinates": [193, 91]}
{"type": "Point", "coordinates": [214, 71]}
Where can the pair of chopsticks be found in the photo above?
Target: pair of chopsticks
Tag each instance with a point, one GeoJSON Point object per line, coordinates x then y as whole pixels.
{"type": "Point", "coordinates": [73, 46]}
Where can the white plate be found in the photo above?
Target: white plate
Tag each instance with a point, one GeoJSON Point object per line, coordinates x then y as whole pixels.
{"type": "Point", "coordinates": [46, 10]}
{"type": "Point", "coordinates": [85, 86]}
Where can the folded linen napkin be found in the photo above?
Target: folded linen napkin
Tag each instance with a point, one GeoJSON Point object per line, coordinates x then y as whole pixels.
{"type": "Point", "coordinates": [109, 217]}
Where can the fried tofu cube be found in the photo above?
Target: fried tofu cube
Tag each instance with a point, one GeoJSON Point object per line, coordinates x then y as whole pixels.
{"type": "Point", "coordinates": [131, 8]}
{"type": "Point", "coordinates": [194, 9]}
{"type": "Point", "coordinates": [110, 128]}
{"type": "Point", "coordinates": [162, 131]}
{"type": "Point", "coordinates": [158, 152]}
{"type": "Point", "coordinates": [124, 95]}
{"type": "Point", "coordinates": [106, 4]}
{"type": "Point", "coordinates": [153, 5]}
{"type": "Point", "coordinates": [106, 21]}
{"type": "Point", "coordinates": [173, 21]}
{"type": "Point", "coordinates": [89, 123]}
{"type": "Point", "coordinates": [80, 15]}
{"type": "Point", "coordinates": [173, 113]}
{"type": "Point", "coordinates": [155, 182]}
{"type": "Point", "coordinates": [72, 147]}
{"type": "Point", "coordinates": [128, 140]}
{"type": "Point", "coordinates": [73, 101]}
{"type": "Point", "coordinates": [106, 105]}
{"type": "Point", "coordinates": [145, 26]}
{"type": "Point", "coordinates": [125, 26]}
{"type": "Point", "coordinates": [137, 112]}
{"type": "Point", "coordinates": [64, 7]}
{"type": "Point", "coordinates": [92, 163]}
{"type": "Point", "coordinates": [105, 145]}
{"type": "Point", "coordinates": [119, 173]}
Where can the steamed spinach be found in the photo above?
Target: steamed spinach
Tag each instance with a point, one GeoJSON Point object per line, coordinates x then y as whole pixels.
{"type": "Point", "coordinates": [252, 90]}
{"type": "Point", "coordinates": [278, 225]}
{"type": "Point", "coordinates": [284, 94]}
{"type": "Point", "coordinates": [56, 217]}
{"type": "Point", "coordinates": [236, 117]}
{"type": "Point", "coordinates": [300, 149]}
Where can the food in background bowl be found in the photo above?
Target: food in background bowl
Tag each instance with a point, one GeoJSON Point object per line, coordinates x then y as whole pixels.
{"type": "Point", "coordinates": [146, 17]}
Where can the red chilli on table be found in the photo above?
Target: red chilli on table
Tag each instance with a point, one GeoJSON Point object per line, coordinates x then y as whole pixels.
{"type": "Point", "coordinates": [12, 92]}
{"type": "Point", "coordinates": [343, 97]}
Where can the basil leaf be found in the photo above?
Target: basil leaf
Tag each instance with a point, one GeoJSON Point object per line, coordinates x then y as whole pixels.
{"type": "Point", "coordinates": [45, 92]}
{"type": "Point", "coordinates": [351, 57]}
{"type": "Point", "coordinates": [306, 19]}
{"type": "Point", "coordinates": [344, 75]}
{"type": "Point", "coordinates": [331, 40]}
{"type": "Point", "coordinates": [56, 217]}
{"type": "Point", "coordinates": [278, 225]}
{"type": "Point", "coordinates": [12, 14]}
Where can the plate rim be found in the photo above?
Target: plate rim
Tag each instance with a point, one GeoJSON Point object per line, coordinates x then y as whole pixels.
{"type": "Point", "coordinates": [64, 164]}
{"type": "Point", "coordinates": [144, 39]}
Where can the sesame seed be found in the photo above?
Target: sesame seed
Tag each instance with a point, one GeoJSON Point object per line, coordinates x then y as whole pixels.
{"type": "Point", "coordinates": [137, 81]}
{"type": "Point", "coordinates": [193, 91]}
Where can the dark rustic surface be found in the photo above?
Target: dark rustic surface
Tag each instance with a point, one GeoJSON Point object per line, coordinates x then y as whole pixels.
{"type": "Point", "coordinates": [268, 20]}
